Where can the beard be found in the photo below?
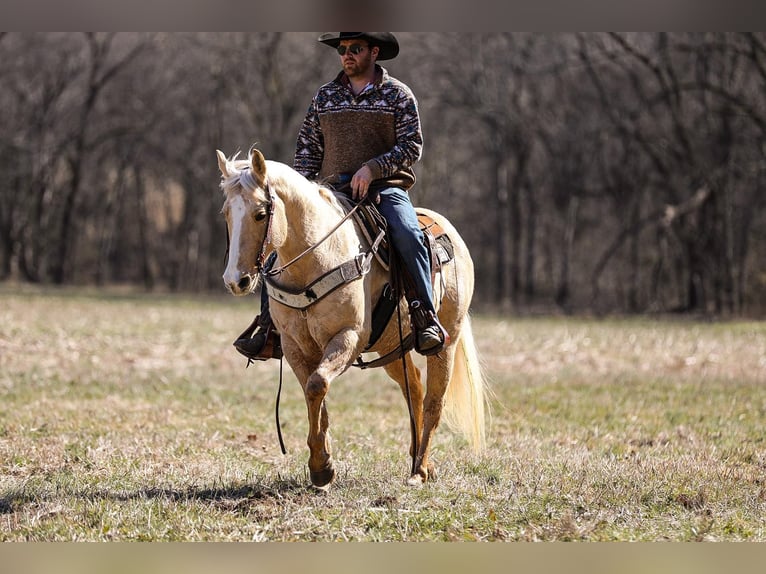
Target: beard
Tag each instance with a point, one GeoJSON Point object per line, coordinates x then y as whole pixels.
{"type": "Point", "coordinates": [359, 67]}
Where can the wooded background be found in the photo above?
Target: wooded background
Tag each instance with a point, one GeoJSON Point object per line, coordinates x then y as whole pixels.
{"type": "Point", "coordinates": [588, 172]}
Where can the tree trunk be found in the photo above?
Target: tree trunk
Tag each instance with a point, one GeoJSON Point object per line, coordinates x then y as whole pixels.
{"type": "Point", "coordinates": [500, 176]}
{"type": "Point", "coordinates": [563, 294]}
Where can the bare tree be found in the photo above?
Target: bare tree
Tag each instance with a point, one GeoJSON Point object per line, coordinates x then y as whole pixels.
{"type": "Point", "coordinates": [586, 171]}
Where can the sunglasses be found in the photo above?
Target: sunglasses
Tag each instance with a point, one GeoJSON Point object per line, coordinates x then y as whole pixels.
{"type": "Point", "coordinates": [353, 48]}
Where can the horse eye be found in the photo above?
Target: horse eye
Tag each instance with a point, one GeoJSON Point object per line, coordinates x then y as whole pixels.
{"type": "Point", "coordinates": [260, 215]}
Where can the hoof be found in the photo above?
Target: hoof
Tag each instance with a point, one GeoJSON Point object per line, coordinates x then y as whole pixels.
{"type": "Point", "coordinates": [323, 478]}
{"type": "Point", "coordinates": [415, 480]}
{"type": "Point", "coordinates": [423, 476]}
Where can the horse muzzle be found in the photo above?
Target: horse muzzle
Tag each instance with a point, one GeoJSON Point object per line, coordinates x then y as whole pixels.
{"type": "Point", "coordinates": [240, 283]}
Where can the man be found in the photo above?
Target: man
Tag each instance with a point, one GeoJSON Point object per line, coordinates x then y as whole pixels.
{"type": "Point", "coordinates": [363, 130]}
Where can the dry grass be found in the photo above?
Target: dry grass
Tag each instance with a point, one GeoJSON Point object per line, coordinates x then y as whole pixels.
{"type": "Point", "coordinates": [126, 417]}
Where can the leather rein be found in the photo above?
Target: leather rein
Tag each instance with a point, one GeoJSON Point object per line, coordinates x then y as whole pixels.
{"type": "Point", "coordinates": [267, 238]}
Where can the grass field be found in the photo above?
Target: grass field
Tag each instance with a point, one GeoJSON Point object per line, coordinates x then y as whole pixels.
{"type": "Point", "coordinates": [131, 417]}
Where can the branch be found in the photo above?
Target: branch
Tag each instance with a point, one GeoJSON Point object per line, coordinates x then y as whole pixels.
{"type": "Point", "coordinates": [663, 218]}
{"type": "Point", "coordinates": [673, 212]}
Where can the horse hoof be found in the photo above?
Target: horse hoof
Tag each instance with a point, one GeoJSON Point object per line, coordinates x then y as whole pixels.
{"type": "Point", "coordinates": [323, 478]}
{"type": "Point", "coordinates": [423, 476]}
{"type": "Point", "coordinates": [415, 480]}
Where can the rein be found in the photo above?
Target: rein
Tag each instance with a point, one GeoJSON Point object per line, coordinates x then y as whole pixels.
{"type": "Point", "coordinates": [408, 393]}
{"type": "Point", "coordinates": [269, 216]}
{"type": "Point", "coordinates": [276, 410]}
{"type": "Point", "coordinates": [281, 268]}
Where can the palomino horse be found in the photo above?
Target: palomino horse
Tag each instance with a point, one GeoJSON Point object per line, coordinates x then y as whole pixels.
{"type": "Point", "coordinates": [269, 206]}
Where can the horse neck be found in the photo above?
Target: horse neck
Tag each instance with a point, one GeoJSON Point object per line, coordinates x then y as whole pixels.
{"type": "Point", "coordinates": [304, 221]}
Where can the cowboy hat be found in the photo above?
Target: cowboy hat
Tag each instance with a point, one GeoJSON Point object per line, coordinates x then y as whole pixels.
{"type": "Point", "coordinates": [389, 46]}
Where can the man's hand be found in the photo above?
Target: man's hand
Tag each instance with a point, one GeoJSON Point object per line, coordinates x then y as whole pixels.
{"type": "Point", "coordinates": [360, 183]}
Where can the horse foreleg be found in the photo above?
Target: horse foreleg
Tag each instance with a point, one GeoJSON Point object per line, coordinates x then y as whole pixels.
{"type": "Point", "coordinates": [338, 355]}
{"type": "Point", "coordinates": [439, 368]}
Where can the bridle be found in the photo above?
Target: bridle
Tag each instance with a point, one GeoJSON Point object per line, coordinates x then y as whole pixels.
{"type": "Point", "coordinates": [246, 178]}
{"type": "Point", "coordinates": [278, 270]}
{"type": "Point", "coordinates": [261, 258]}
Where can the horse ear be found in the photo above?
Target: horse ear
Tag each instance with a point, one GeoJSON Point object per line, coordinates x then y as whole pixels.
{"type": "Point", "coordinates": [258, 165]}
{"type": "Point", "coordinates": [223, 164]}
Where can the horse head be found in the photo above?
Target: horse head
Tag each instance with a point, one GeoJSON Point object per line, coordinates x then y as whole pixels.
{"type": "Point", "coordinates": [247, 208]}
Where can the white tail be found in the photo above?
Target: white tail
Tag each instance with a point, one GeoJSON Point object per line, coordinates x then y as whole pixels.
{"type": "Point", "coordinates": [465, 401]}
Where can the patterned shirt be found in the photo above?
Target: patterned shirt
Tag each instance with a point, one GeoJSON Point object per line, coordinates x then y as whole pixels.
{"type": "Point", "coordinates": [379, 128]}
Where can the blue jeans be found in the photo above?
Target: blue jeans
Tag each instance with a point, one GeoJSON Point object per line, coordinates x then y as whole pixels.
{"type": "Point", "coordinates": [408, 241]}
{"type": "Point", "coordinates": [404, 231]}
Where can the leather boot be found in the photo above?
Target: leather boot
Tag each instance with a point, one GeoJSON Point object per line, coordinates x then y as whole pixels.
{"type": "Point", "coordinates": [262, 345]}
{"type": "Point", "coordinates": [430, 336]}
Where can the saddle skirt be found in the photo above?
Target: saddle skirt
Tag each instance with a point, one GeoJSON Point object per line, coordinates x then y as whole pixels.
{"type": "Point", "coordinates": [371, 223]}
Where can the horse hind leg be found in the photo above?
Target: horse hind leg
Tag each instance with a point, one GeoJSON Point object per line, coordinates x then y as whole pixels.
{"type": "Point", "coordinates": [455, 387]}
{"type": "Point", "coordinates": [412, 389]}
{"type": "Point", "coordinates": [439, 368]}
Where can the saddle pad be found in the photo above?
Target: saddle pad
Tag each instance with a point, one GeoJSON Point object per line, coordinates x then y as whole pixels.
{"type": "Point", "coordinates": [371, 222]}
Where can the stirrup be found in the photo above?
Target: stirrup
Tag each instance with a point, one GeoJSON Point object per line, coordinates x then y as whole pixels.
{"type": "Point", "coordinates": [262, 345]}
{"type": "Point", "coordinates": [422, 320]}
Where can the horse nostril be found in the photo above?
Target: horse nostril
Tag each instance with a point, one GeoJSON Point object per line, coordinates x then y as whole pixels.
{"type": "Point", "coordinates": [244, 283]}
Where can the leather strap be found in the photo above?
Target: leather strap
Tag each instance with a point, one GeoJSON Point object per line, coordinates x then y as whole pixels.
{"type": "Point", "coordinates": [347, 272]}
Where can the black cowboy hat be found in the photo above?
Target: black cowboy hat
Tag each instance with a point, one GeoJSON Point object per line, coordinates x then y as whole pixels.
{"type": "Point", "coordinates": [389, 46]}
